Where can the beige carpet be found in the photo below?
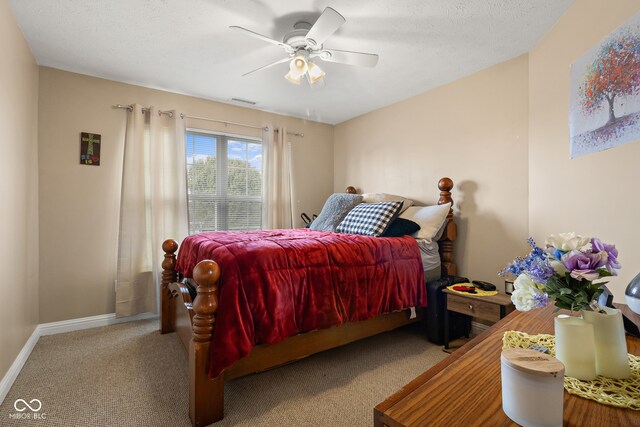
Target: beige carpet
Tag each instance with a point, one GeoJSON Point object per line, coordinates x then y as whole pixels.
{"type": "Point", "coordinates": [130, 375]}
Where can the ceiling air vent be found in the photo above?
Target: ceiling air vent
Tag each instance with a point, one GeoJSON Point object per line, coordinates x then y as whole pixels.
{"type": "Point", "coordinates": [244, 101]}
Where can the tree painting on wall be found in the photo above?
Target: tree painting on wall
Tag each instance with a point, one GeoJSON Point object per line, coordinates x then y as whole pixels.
{"type": "Point", "coordinates": [605, 93]}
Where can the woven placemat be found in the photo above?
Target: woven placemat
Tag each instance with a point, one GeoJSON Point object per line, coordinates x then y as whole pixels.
{"type": "Point", "coordinates": [479, 292]}
{"type": "Point", "coordinates": [622, 393]}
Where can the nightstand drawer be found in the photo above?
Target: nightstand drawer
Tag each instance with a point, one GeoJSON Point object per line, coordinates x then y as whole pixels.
{"type": "Point", "coordinates": [474, 307]}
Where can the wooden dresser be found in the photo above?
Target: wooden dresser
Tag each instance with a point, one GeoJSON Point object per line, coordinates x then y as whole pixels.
{"type": "Point", "coordinates": [465, 388]}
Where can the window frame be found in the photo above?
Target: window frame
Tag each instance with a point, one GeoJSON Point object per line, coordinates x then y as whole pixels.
{"type": "Point", "coordinates": [222, 177]}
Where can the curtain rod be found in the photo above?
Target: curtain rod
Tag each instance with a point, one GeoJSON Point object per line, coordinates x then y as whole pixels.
{"type": "Point", "coordinates": [144, 109]}
{"type": "Point", "coordinates": [265, 128]}
{"type": "Point", "coordinates": [183, 116]}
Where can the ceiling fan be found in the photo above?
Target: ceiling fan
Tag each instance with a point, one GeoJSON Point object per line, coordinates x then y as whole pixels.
{"type": "Point", "coordinates": [305, 43]}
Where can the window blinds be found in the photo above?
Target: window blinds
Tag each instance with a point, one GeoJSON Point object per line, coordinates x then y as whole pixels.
{"type": "Point", "coordinates": [224, 180]}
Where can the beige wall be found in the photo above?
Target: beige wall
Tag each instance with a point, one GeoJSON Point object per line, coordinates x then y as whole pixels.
{"type": "Point", "coordinates": [594, 194]}
{"type": "Point", "coordinates": [500, 134]}
{"type": "Point", "coordinates": [79, 205]}
{"type": "Point", "coordinates": [18, 189]}
{"type": "Point", "coordinates": [474, 131]}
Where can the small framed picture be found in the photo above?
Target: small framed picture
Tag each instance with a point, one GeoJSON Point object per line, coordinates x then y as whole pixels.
{"type": "Point", "coordinates": [90, 148]}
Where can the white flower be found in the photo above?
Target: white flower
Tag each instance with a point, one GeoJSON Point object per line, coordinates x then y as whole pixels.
{"type": "Point", "coordinates": [568, 242]}
{"type": "Point", "coordinates": [524, 291]}
{"type": "Point", "coordinates": [559, 268]}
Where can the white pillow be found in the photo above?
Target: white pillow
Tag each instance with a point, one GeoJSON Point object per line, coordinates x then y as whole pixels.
{"type": "Point", "coordinates": [429, 218]}
{"type": "Point", "coordinates": [384, 197]}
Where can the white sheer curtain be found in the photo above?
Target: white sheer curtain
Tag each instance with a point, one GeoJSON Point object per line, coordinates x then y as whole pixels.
{"type": "Point", "coordinates": [276, 191]}
{"type": "Point", "coordinates": [153, 206]}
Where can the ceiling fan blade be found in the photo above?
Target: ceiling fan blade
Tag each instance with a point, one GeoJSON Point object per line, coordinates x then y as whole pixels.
{"type": "Point", "coordinates": [267, 66]}
{"type": "Point", "coordinates": [327, 24]}
{"type": "Point", "coordinates": [258, 36]}
{"type": "Point", "coordinates": [348, 57]}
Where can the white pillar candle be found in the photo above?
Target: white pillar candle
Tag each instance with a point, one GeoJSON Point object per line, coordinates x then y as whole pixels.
{"type": "Point", "coordinates": [532, 387]}
{"type": "Point", "coordinates": [612, 360]}
{"type": "Point", "coordinates": [575, 347]}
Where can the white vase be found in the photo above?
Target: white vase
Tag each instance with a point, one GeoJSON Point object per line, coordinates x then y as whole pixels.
{"type": "Point", "coordinates": [612, 360]}
{"type": "Point", "coordinates": [575, 347]}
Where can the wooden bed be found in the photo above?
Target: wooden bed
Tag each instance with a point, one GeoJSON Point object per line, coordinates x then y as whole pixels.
{"type": "Point", "coordinates": [194, 323]}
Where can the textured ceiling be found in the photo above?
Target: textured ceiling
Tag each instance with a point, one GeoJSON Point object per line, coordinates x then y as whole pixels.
{"type": "Point", "coordinates": [185, 46]}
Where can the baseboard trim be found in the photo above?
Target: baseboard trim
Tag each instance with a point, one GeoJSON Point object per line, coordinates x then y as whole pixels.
{"type": "Point", "coordinates": [477, 328]}
{"type": "Point", "coordinates": [18, 363]}
{"type": "Point", "coordinates": [60, 328]}
{"type": "Point", "coordinates": [89, 322]}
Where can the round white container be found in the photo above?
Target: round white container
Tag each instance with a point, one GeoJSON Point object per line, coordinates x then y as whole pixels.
{"type": "Point", "coordinates": [532, 387]}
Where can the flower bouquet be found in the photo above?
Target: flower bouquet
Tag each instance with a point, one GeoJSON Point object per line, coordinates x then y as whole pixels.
{"type": "Point", "coordinates": [568, 271]}
{"type": "Point", "coordinates": [563, 272]}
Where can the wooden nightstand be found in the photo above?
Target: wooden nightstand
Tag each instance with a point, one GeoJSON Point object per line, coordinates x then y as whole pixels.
{"type": "Point", "coordinates": [492, 308]}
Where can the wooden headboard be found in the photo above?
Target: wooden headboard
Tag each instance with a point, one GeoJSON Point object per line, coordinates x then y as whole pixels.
{"type": "Point", "coordinates": [449, 267]}
{"type": "Point", "coordinates": [445, 244]}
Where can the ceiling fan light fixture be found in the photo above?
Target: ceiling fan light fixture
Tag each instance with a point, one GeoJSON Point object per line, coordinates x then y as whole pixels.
{"type": "Point", "coordinates": [293, 77]}
{"type": "Point", "coordinates": [306, 42]}
{"type": "Point", "coordinates": [314, 73]}
{"type": "Point", "coordinates": [298, 65]}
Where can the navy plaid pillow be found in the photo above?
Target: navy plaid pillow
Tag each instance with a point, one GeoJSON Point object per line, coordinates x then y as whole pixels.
{"type": "Point", "coordinates": [370, 219]}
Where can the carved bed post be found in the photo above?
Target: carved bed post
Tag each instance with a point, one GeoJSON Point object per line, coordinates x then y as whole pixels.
{"type": "Point", "coordinates": [206, 396]}
{"type": "Point", "coordinates": [450, 232]}
{"type": "Point", "coordinates": [169, 275]}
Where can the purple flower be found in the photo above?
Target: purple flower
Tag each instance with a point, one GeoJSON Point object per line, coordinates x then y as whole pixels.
{"type": "Point", "coordinates": [541, 300]}
{"type": "Point", "coordinates": [612, 254]}
{"type": "Point", "coordinates": [540, 270]}
{"type": "Point", "coordinates": [584, 265]}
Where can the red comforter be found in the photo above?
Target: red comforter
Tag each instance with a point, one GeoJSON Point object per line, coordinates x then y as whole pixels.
{"type": "Point", "coordinates": [278, 283]}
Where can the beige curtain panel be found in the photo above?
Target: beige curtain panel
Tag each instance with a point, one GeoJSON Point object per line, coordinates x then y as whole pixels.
{"type": "Point", "coordinates": [276, 192]}
{"type": "Point", "coordinates": [153, 206]}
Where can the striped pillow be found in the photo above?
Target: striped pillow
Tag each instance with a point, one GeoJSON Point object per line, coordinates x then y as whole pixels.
{"type": "Point", "coordinates": [370, 219]}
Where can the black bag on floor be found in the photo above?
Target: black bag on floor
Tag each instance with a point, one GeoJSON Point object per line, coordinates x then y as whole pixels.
{"type": "Point", "coordinates": [434, 318]}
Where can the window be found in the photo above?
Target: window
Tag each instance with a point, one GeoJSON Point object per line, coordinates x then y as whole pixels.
{"type": "Point", "coordinates": [224, 182]}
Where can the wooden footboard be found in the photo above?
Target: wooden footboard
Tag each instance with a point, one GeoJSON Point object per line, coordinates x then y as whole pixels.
{"type": "Point", "coordinates": [206, 396]}
{"type": "Point", "coordinates": [177, 306]}
{"type": "Point", "coordinates": [194, 322]}
{"type": "Point", "coordinates": [169, 276]}
{"type": "Point", "coordinates": [182, 312]}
